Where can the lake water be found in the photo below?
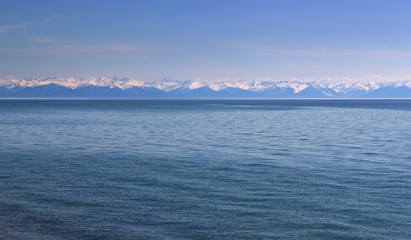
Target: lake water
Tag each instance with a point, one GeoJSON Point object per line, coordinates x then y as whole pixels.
{"type": "Point", "coordinates": [205, 169]}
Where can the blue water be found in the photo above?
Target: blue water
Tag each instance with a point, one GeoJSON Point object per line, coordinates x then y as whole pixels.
{"type": "Point", "coordinates": [205, 169]}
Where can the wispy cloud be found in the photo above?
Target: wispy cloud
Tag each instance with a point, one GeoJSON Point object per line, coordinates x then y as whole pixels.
{"type": "Point", "coordinates": [44, 39]}
{"type": "Point", "coordinates": [60, 49]}
{"type": "Point", "coordinates": [8, 28]}
{"type": "Point", "coordinates": [47, 18]}
{"type": "Point", "coordinates": [373, 53]}
{"type": "Point", "coordinates": [103, 48]}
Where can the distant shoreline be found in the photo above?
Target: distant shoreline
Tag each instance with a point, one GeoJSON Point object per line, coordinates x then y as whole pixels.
{"type": "Point", "coordinates": [205, 98]}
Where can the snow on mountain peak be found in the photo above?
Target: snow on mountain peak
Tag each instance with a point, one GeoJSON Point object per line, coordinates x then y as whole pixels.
{"type": "Point", "coordinates": [327, 87]}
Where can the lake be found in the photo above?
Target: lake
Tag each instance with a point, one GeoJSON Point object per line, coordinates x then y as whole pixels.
{"type": "Point", "coordinates": [205, 169]}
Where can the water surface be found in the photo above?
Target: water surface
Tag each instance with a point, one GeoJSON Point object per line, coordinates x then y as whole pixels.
{"type": "Point", "coordinates": [205, 169]}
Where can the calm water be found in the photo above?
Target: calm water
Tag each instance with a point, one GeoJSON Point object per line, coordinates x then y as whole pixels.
{"type": "Point", "coordinates": [205, 169]}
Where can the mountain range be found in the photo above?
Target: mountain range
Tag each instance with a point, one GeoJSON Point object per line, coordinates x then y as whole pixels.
{"type": "Point", "coordinates": [104, 87]}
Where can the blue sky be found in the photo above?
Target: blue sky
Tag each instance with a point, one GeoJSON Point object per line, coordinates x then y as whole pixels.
{"type": "Point", "coordinates": [152, 40]}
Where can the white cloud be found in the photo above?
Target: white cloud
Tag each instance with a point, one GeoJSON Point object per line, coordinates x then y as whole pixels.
{"type": "Point", "coordinates": [47, 18]}
{"type": "Point", "coordinates": [44, 39]}
{"type": "Point", "coordinates": [60, 49]}
{"type": "Point", "coordinates": [8, 28]}
{"type": "Point", "coordinates": [373, 53]}
{"type": "Point", "coordinates": [99, 48]}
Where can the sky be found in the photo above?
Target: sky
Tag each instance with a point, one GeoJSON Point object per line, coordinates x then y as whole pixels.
{"type": "Point", "coordinates": [191, 39]}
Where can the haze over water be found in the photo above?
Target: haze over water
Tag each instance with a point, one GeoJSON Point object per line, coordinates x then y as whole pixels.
{"type": "Point", "coordinates": [205, 169]}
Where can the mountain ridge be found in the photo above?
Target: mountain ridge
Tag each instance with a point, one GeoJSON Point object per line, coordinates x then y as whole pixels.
{"type": "Point", "coordinates": [104, 87]}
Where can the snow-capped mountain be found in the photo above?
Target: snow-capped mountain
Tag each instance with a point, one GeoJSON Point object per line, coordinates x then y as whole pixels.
{"type": "Point", "coordinates": [104, 87]}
